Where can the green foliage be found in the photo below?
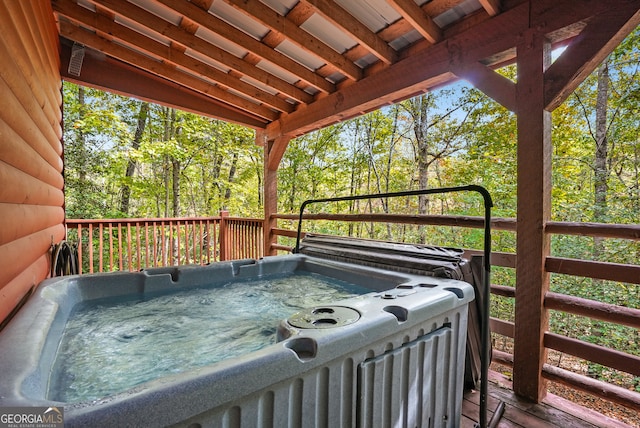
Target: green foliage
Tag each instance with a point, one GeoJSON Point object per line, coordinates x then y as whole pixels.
{"type": "Point", "coordinates": [217, 165]}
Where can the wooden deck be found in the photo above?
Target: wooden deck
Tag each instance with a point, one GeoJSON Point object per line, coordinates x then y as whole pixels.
{"type": "Point", "coordinates": [553, 412]}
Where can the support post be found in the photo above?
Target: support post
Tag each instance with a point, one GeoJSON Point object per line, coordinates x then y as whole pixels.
{"type": "Point", "coordinates": [224, 236]}
{"type": "Point", "coordinates": [270, 197]}
{"type": "Point", "coordinates": [533, 211]}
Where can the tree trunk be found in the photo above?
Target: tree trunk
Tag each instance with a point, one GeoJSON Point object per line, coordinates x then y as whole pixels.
{"type": "Point", "coordinates": [601, 175]}
{"type": "Point", "coordinates": [82, 170]}
{"type": "Point", "coordinates": [215, 182]}
{"type": "Point", "coordinates": [175, 186]}
{"type": "Point", "coordinates": [131, 165]}
{"type": "Point", "coordinates": [232, 173]}
{"type": "Point", "coordinates": [420, 130]}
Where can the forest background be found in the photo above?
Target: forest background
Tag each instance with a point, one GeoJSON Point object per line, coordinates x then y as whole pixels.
{"type": "Point", "coordinates": [127, 158]}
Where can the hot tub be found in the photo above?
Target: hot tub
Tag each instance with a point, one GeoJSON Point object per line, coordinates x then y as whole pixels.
{"type": "Point", "coordinates": [391, 357]}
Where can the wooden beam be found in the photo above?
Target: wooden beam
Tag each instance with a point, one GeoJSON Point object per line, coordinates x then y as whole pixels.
{"type": "Point", "coordinates": [490, 82]}
{"type": "Point", "coordinates": [122, 53]}
{"type": "Point", "coordinates": [418, 19]}
{"type": "Point", "coordinates": [598, 354]}
{"type": "Point", "coordinates": [430, 8]}
{"type": "Point", "coordinates": [549, 16]}
{"type": "Point", "coordinates": [593, 269]}
{"type": "Point", "coordinates": [106, 73]}
{"type": "Point", "coordinates": [418, 72]}
{"type": "Point", "coordinates": [276, 151]}
{"type": "Point", "coordinates": [262, 51]}
{"type": "Point", "coordinates": [623, 231]}
{"type": "Point", "coordinates": [533, 210]}
{"type": "Point", "coordinates": [22, 154]}
{"type": "Point", "coordinates": [491, 6]}
{"type": "Point", "coordinates": [592, 386]}
{"type": "Point", "coordinates": [23, 120]}
{"type": "Point", "coordinates": [19, 43]}
{"type": "Point", "coordinates": [19, 254]}
{"type": "Point", "coordinates": [30, 218]}
{"type": "Point", "coordinates": [270, 198]}
{"type": "Point", "coordinates": [593, 309]}
{"type": "Point", "coordinates": [18, 187]}
{"type": "Point", "coordinates": [280, 24]}
{"type": "Point", "coordinates": [20, 286]}
{"type": "Point", "coordinates": [187, 40]}
{"type": "Point", "coordinates": [585, 53]}
{"type": "Point", "coordinates": [124, 35]}
{"type": "Point", "coordinates": [339, 17]}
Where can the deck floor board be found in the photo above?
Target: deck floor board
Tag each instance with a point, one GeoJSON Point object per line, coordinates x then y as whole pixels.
{"type": "Point", "coordinates": [553, 412]}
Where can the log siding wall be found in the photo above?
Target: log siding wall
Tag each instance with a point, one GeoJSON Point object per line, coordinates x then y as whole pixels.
{"type": "Point", "coordinates": [31, 180]}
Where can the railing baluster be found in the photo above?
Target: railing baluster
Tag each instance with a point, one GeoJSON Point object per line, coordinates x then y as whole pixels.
{"type": "Point", "coordinates": [186, 242]}
{"type": "Point", "coordinates": [90, 248]}
{"type": "Point", "coordinates": [164, 242]}
{"type": "Point", "coordinates": [171, 250]}
{"type": "Point", "coordinates": [139, 249]}
{"type": "Point", "coordinates": [146, 244]}
{"type": "Point", "coordinates": [79, 248]}
{"type": "Point", "coordinates": [100, 248]}
{"type": "Point", "coordinates": [216, 244]}
{"type": "Point", "coordinates": [120, 265]}
{"type": "Point", "coordinates": [110, 246]}
{"type": "Point", "coordinates": [129, 246]}
{"type": "Point", "coordinates": [194, 232]}
{"type": "Point", "coordinates": [200, 242]}
{"type": "Point", "coordinates": [206, 240]}
{"type": "Point", "coordinates": [155, 245]}
{"type": "Point", "coordinates": [178, 241]}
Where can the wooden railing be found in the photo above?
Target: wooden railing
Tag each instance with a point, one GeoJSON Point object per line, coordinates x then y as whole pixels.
{"type": "Point", "coordinates": [108, 245]}
{"type": "Point", "coordinates": [566, 304]}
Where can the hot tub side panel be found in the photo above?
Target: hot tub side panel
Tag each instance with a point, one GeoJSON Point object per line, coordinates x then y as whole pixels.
{"type": "Point", "coordinates": [410, 378]}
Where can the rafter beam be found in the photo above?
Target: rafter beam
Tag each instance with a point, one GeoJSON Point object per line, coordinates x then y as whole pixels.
{"type": "Point", "coordinates": [276, 151]}
{"type": "Point", "coordinates": [588, 50]}
{"type": "Point", "coordinates": [418, 72]}
{"type": "Point", "coordinates": [492, 7]}
{"type": "Point", "coordinates": [184, 38]}
{"type": "Point", "coordinates": [229, 32]}
{"type": "Point", "coordinates": [124, 35]}
{"type": "Point", "coordinates": [490, 82]}
{"type": "Point", "coordinates": [339, 17]}
{"type": "Point", "coordinates": [280, 24]}
{"type": "Point", "coordinates": [77, 34]}
{"type": "Point", "coordinates": [107, 73]}
{"type": "Point", "coordinates": [418, 19]}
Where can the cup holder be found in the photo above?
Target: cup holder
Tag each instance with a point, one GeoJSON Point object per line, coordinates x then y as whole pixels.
{"type": "Point", "coordinates": [324, 317]}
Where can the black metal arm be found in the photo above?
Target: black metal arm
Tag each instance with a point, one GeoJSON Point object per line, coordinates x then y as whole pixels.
{"type": "Point", "coordinates": [488, 203]}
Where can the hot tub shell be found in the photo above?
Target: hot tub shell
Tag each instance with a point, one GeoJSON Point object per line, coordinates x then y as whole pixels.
{"type": "Point", "coordinates": [400, 362]}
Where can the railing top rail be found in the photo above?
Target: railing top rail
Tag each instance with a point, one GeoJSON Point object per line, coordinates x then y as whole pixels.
{"type": "Point", "coordinates": [423, 219]}
{"type": "Point", "coordinates": [245, 219]}
{"type": "Point", "coordinates": [140, 220]}
{"type": "Point", "coordinates": [602, 230]}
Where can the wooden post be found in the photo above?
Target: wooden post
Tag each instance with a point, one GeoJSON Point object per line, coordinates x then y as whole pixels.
{"type": "Point", "coordinates": [224, 251]}
{"type": "Point", "coordinates": [534, 210]}
{"type": "Point", "coordinates": [270, 197]}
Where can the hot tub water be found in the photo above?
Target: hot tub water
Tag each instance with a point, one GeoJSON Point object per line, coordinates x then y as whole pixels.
{"type": "Point", "coordinates": [112, 345]}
